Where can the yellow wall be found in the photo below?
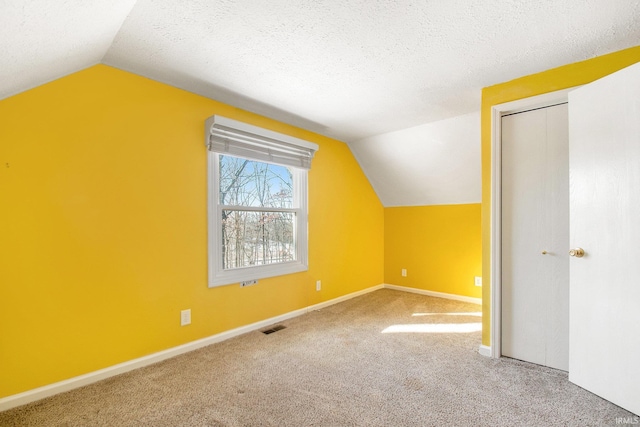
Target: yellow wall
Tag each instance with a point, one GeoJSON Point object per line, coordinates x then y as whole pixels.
{"type": "Point", "coordinates": [103, 230]}
{"type": "Point", "coordinates": [536, 84]}
{"type": "Point", "coordinates": [439, 246]}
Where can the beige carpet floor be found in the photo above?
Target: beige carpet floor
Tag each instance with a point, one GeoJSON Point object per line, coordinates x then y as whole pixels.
{"type": "Point", "coordinates": [387, 358]}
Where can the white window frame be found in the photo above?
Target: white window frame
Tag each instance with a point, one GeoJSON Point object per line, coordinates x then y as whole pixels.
{"type": "Point", "coordinates": [219, 276]}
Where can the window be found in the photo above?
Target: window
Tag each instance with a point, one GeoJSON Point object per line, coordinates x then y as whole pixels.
{"type": "Point", "coordinates": [257, 202]}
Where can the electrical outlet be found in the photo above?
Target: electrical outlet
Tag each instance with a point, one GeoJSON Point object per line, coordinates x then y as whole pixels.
{"type": "Point", "coordinates": [478, 281]}
{"type": "Point", "coordinates": [318, 285]}
{"type": "Point", "coordinates": [248, 283]}
{"type": "Point", "coordinates": [185, 317]}
{"type": "Point", "coordinates": [404, 272]}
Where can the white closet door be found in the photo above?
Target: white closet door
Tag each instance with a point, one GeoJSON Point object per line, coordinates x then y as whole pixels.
{"type": "Point", "coordinates": [535, 235]}
{"type": "Point", "coordinates": [557, 260]}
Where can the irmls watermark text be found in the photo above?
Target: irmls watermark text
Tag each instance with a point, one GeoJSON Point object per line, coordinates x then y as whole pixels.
{"type": "Point", "coordinates": [627, 420]}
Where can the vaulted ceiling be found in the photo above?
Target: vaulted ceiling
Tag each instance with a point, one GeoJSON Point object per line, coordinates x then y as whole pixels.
{"type": "Point", "coordinates": [350, 69]}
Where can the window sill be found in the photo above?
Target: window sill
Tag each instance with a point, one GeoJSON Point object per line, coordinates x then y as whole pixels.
{"type": "Point", "coordinates": [237, 275]}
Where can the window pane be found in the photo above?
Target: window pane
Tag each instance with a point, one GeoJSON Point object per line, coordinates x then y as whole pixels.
{"type": "Point", "coordinates": [250, 183]}
{"type": "Point", "coordinates": [257, 238]}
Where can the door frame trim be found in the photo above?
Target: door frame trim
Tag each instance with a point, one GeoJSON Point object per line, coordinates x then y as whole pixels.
{"type": "Point", "coordinates": [497, 112]}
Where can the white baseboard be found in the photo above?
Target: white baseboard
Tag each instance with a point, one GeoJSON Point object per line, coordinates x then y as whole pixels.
{"type": "Point", "coordinates": [342, 298]}
{"type": "Point", "coordinates": [92, 377]}
{"type": "Point", "coordinates": [485, 350]}
{"type": "Point", "coordinates": [435, 294]}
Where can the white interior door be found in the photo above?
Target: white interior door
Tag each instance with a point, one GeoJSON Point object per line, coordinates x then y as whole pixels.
{"type": "Point", "coordinates": [604, 345]}
{"type": "Point", "coordinates": [535, 236]}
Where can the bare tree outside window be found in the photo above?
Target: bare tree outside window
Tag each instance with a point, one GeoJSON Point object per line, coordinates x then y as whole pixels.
{"type": "Point", "coordinates": [258, 216]}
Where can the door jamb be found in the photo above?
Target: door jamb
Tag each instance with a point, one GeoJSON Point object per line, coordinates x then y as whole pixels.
{"type": "Point", "coordinates": [497, 112]}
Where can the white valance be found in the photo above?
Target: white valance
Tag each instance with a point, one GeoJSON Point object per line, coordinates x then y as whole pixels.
{"type": "Point", "coordinates": [240, 139]}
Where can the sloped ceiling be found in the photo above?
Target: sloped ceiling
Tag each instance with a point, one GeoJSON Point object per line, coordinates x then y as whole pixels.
{"type": "Point", "coordinates": [406, 167]}
{"type": "Point", "coordinates": [42, 40]}
{"type": "Point", "coordinates": [349, 69]}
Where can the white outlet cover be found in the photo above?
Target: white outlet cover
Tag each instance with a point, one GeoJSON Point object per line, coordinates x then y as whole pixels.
{"type": "Point", "coordinates": [185, 317]}
{"type": "Point", "coordinates": [478, 281]}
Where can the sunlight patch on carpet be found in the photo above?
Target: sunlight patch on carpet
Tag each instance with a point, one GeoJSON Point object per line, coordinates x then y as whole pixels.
{"type": "Point", "coordinates": [471, 313]}
{"type": "Point", "coordinates": [434, 328]}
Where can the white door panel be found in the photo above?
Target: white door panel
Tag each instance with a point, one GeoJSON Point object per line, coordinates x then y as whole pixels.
{"type": "Point", "coordinates": [557, 214]}
{"type": "Point", "coordinates": [604, 129]}
{"type": "Point", "coordinates": [535, 234]}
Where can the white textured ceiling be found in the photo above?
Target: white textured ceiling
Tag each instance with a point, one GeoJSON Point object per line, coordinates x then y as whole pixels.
{"type": "Point", "coordinates": [350, 69]}
{"type": "Point", "coordinates": [358, 68]}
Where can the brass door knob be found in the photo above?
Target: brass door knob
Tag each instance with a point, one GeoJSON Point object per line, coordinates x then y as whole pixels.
{"type": "Point", "coordinates": [577, 252]}
{"type": "Point", "coordinates": [544, 252]}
